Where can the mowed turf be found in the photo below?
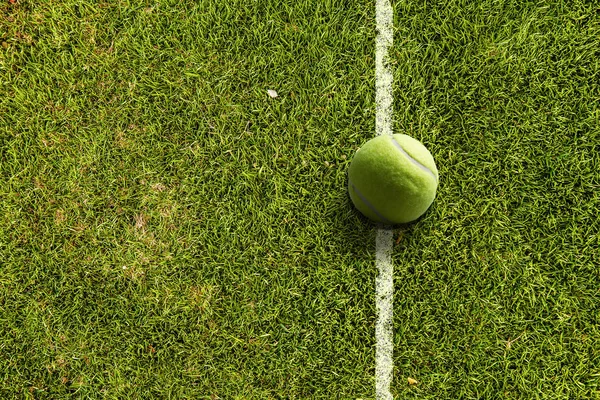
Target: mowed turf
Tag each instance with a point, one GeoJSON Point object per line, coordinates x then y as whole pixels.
{"type": "Point", "coordinates": [168, 230]}
{"type": "Point", "coordinates": [498, 289]}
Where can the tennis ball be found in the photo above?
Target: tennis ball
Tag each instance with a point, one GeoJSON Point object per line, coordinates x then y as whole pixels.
{"type": "Point", "coordinates": [392, 179]}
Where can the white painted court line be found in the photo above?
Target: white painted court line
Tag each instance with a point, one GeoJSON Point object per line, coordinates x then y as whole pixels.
{"type": "Point", "coordinates": [384, 283]}
{"type": "Point", "coordinates": [384, 335]}
{"type": "Point", "coordinates": [383, 74]}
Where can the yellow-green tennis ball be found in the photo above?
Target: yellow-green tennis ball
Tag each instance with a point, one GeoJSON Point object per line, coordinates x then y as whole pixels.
{"type": "Point", "coordinates": [392, 179]}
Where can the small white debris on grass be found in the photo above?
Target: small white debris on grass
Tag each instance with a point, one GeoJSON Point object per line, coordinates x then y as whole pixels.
{"type": "Point", "coordinates": [272, 93]}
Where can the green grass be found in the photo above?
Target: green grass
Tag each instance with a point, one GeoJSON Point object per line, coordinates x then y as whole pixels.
{"type": "Point", "coordinates": [167, 230]}
{"type": "Point", "coordinates": [497, 292]}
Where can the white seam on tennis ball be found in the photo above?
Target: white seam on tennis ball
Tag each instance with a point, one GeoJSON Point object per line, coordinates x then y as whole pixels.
{"type": "Point", "coordinates": [418, 164]}
{"type": "Point", "coordinates": [368, 204]}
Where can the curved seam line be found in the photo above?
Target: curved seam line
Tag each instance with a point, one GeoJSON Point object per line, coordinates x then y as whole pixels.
{"type": "Point", "coordinates": [364, 200]}
{"type": "Point", "coordinates": [418, 164]}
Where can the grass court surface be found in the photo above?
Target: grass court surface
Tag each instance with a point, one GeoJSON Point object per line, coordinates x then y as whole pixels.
{"type": "Point", "coordinates": [169, 230]}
